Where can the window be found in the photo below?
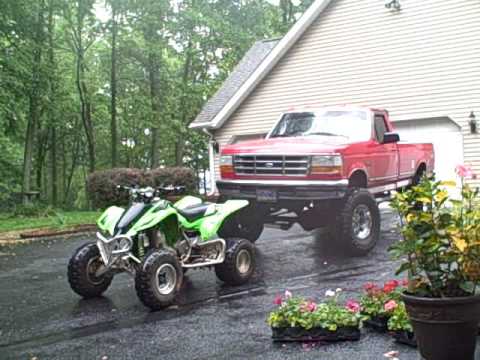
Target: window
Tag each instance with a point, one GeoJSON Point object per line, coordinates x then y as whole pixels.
{"type": "Point", "coordinates": [352, 126]}
{"type": "Point", "coordinates": [380, 127]}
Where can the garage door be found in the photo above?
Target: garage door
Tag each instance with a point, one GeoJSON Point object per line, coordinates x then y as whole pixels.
{"type": "Point", "coordinates": [446, 137]}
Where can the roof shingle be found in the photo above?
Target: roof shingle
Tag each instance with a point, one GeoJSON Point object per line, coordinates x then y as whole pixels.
{"type": "Point", "coordinates": [245, 68]}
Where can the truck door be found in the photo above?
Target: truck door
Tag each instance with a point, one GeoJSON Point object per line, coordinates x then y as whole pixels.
{"type": "Point", "coordinates": [385, 156]}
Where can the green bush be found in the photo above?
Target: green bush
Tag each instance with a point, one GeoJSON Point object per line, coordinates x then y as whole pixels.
{"type": "Point", "coordinates": [102, 185]}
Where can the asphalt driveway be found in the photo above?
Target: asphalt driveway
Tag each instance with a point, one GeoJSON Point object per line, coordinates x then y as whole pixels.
{"type": "Point", "coordinates": [40, 317]}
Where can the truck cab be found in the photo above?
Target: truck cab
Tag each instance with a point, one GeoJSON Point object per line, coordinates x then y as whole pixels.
{"type": "Point", "coordinates": [313, 160]}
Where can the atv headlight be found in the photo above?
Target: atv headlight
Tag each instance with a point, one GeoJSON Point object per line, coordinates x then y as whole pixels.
{"type": "Point", "coordinates": [326, 164]}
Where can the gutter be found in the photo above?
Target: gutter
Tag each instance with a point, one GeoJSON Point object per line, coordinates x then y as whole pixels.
{"type": "Point", "coordinates": [211, 162]}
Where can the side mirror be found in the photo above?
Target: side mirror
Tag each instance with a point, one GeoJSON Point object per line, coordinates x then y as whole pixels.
{"type": "Point", "coordinates": [391, 138]}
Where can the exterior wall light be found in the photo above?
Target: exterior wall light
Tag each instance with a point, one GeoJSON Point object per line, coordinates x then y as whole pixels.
{"type": "Point", "coordinates": [473, 123]}
{"type": "Point", "coordinates": [393, 5]}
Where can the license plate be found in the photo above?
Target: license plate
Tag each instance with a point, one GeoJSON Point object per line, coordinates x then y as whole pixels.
{"type": "Point", "coordinates": [266, 195]}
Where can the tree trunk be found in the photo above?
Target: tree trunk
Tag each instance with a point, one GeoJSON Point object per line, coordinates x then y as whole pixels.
{"type": "Point", "coordinates": [113, 87]}
{"type": "Point", "coordinates": [155, 95]}
{"type": "Point", "coordinates": [85, 102]}
{"type": "Point", "coordinates": [180, 143]}
{"type": "Point", "coordinates": [52, 112]}
{"type": "Point", "coordinates": [34, 104]}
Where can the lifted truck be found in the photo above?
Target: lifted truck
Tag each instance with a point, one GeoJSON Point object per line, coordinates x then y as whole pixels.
{"type": "Point", "coordinates": [322, 168]}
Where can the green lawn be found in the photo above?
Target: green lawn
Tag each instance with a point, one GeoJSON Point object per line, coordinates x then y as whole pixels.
{"type": "Point", "coordinates": [60, 221]}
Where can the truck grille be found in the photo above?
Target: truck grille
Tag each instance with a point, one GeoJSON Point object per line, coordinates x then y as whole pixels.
{"type": "Point", "coordinates": [276, 165]}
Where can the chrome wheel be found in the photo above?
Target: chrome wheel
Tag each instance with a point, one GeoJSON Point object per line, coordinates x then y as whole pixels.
{"type": "Point", "coordinates": [166, 278]}
{"type": "Point", "coordinates": [93, 265]}
{"type": "Point", "coordinates": [244, 262]}
{"type": "Point", "coordinates": [362, 222]}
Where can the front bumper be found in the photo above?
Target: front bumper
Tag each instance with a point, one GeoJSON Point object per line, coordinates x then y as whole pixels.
{"type": "Point", "coordinates": [284, 189]}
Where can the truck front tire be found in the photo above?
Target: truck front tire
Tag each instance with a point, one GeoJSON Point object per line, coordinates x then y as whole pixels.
{"type": "Point", "coordinates": [357, 228]}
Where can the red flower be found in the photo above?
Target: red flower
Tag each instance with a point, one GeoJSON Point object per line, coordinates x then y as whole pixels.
{"type": "Point", "coordinates": [278, 300]}
{"type": "Point", "coordinates": [369, 286]}
{"type": "Point", "coordinates": [390, 286]}
{"type": "Point", "coordinates": [352, 306]}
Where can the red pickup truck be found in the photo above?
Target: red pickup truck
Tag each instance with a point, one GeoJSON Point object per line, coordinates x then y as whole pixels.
{"type": "Point", "coordinates": [327, 167]}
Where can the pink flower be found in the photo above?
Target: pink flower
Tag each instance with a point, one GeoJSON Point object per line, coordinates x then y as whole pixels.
{"type": "Point", "coordinates": [405, 283]}
{"type": "Point", "coordinates": [465, 172]}
{"type": "Point", "coordinates": [390, 305]}
{"type": "Point", "coordinates": [353, 306]}
{"type": "Point", "coordinates": [311, 306]}
{"type": "Point", "coordinates": [390, 286]}
{"type": "Point", "coordinates": [288, 294]}
{"type": "Point", "coordinates": [278, 300]}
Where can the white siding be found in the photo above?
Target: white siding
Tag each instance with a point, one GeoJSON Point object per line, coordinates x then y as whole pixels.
{"type": "Point", "coordinates": [421, 62]}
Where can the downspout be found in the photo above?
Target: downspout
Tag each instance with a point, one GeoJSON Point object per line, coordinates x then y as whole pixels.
{"type": "Point", "coordinates": [211, 162]}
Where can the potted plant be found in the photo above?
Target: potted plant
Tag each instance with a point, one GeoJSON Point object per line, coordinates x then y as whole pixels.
{"type": "Point", "coordinates": [299, 319]}
{"type": "Point", "coordinates": [399, 324]}
{"type": "Point", "coordinates": [374, 300]}
{"type": "Point", "coordinates": [440, 251]}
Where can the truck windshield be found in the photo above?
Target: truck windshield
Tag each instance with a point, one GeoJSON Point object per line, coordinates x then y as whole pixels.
{"type": "Point", "coordinates": [353, 125]}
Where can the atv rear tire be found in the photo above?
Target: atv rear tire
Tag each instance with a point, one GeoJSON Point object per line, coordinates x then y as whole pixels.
{"type": "Point", "coordinates": [81, 272]}
{"type": "Point", "coordinates": [158, 279]}
{"type": "Point", "coordinates": [357, 227]}
{"type": "Point", "coordinates": [239, 264]}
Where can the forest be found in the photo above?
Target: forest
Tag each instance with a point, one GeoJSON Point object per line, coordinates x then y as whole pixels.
{"type": "Point", "coordinates": [90, 85]}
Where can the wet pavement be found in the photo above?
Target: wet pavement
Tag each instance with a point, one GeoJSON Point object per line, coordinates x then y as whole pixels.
{"type": "Point", "coordinates": [41, 317]}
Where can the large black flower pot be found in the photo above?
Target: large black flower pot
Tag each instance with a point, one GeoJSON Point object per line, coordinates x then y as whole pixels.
{"type": "Point", "coordinates": [446, 328]}
{"type": "Point", "coordinates": [316, 334]}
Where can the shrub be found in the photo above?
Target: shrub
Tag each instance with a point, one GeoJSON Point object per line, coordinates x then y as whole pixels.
{"type": "Point", "coordinates": [178, 176]}
{"type": "Point", "coordinates": [102, 185]}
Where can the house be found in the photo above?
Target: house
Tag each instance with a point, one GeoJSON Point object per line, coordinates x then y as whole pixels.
{"type": "Point", "coordinates": [420, 59]}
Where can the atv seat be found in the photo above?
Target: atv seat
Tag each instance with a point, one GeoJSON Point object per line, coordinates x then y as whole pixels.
{"type": "Point", "coordinates": [194, 212]}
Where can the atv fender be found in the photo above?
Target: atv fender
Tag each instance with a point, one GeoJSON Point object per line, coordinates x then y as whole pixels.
{"type": "Point", "coordinates": [110, 217]}
{"type": "Point", "coordinates": [210, 225]}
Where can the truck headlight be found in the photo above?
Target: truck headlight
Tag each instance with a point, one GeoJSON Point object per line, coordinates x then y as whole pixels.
{"type": "Point", "coordinates": [326, 164]}
{"type": "Point", "coordinates": [226, 164]}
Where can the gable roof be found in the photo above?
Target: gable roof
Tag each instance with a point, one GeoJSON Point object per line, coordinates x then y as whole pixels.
{"type": "Point", "coordinates": [245, 68]}
{"type": "Point", "coordinates": [241, 83]}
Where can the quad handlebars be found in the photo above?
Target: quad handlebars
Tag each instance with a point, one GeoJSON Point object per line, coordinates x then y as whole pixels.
{"type": "Point", "coordinates": [149, 193]}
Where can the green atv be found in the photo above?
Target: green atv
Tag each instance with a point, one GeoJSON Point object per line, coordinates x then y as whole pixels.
{"type": "Point", "coordinates": [157, 241]}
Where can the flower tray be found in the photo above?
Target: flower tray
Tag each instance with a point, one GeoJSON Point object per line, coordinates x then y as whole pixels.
{"type": "Point", "coordinates": [404, 337]}
{"type": "Point", "coordinates": [315, 334]}
{"type": "Point", "coordinates": [377, 323]}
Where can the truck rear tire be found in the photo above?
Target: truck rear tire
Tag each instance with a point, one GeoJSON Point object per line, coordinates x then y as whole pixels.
{"type": "Point", "coordinates": [357, 228]}
{"type": "Point", "coordinates": [243, 225]}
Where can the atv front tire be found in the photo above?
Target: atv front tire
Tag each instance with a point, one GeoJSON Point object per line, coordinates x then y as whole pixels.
{"type": "Point", "coordinates": [239, 264]}
{"type": "Point", "coordinates": [357, 227]}
{"type": "Point", "coordinates": [82, 267]}
{"type": "Point", "coordinates": [158, 279]}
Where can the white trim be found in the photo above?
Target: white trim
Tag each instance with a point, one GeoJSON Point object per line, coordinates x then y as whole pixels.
{"type": "Point", "coordinates": [267, 65]}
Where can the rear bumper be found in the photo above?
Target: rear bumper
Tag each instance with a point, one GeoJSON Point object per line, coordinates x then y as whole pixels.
{"type": "Point", "coordinates": [285, 189]}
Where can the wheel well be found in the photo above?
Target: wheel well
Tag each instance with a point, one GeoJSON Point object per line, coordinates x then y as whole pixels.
{"type": "Point", "coordinates": [358, 179]}
{"type": "Point", "coordinates": [422, 168]}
